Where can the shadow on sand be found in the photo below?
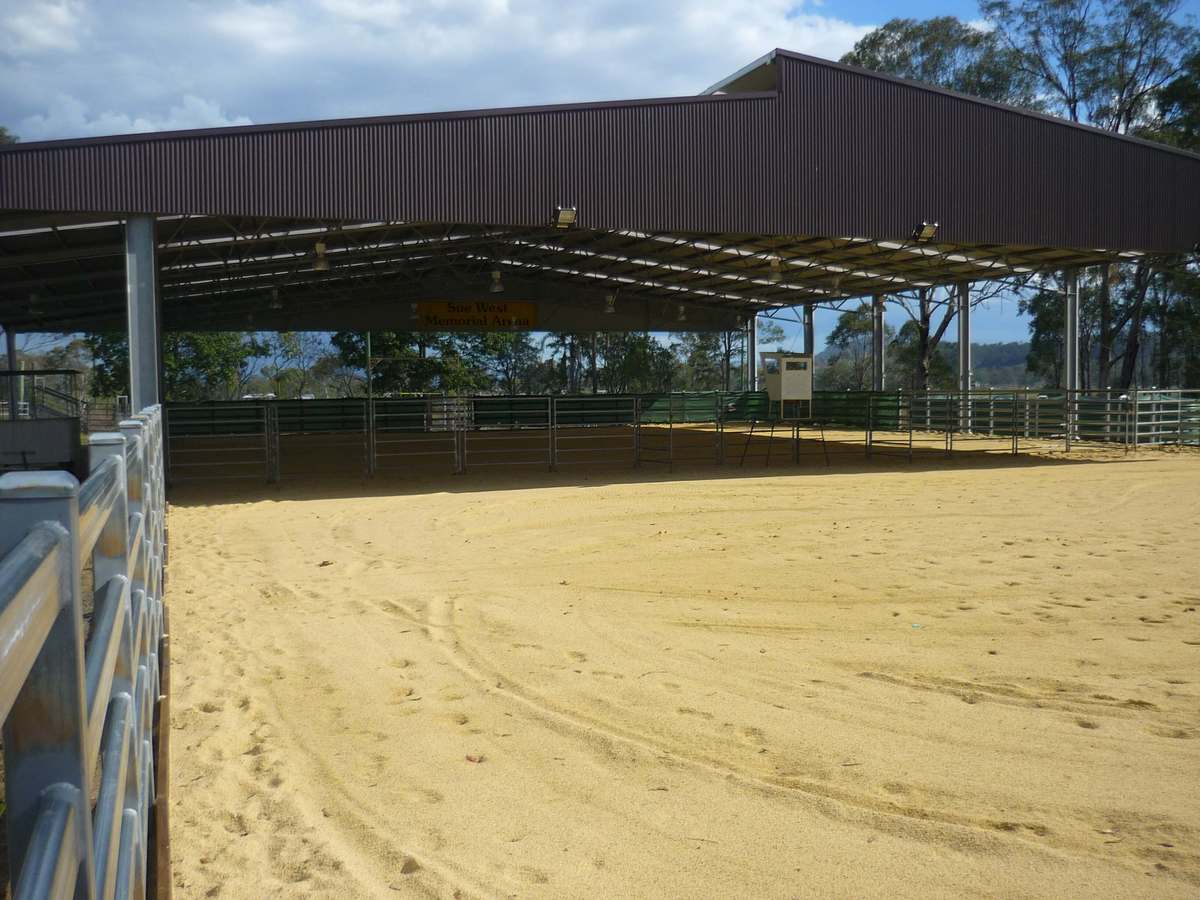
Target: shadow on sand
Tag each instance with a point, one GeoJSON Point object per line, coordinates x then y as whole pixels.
{"type": "Point", "coordinates": [316, 475]}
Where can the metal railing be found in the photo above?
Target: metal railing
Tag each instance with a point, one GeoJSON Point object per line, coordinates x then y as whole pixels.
{"type": "Point", "coordinates": [39, 394]}
{"type": "Point", "coordinates": [84, 756]}
{"type": "Point", "coordinates": [447, 433]}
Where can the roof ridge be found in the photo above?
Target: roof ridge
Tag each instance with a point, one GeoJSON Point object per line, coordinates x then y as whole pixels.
{"type": "Point", "coordinates": [445, 115]}
{"type": "Point", "coordinates": [971, 98]}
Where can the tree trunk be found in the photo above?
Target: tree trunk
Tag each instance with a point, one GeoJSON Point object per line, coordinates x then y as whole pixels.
{"type": "Point", "coordinates": [1129, 362]}
{"type": "Point", "coordinates": [1104, 362]}
{"type": "Point", "coordinates": [923, 357]}
{"type": "Point", "coordinates": [1164, 346]}
{"type": "Point", "coordinates": [1133, 343]}
{"type": "Point", "coordinates": [592, 365]}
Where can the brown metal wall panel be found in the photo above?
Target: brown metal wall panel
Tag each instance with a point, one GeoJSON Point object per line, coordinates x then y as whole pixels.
{"type": "Point", "coordinates": [836, 152]}
{"type": "Point", "coordinates": [875, 157]}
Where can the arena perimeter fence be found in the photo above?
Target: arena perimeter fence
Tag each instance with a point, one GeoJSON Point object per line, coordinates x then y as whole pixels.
{"type": "Point", "coordinates": [84, 698]}
{"type": "Point", "coordinates": [280, 438]}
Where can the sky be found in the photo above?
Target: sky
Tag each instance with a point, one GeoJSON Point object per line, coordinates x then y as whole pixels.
{"type": "Point", "coordinates": [72, 68]}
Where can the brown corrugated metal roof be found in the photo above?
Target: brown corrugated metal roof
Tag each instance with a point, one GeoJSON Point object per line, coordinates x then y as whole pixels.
{"type": "Point", "coordinates": [749, 200]}
{"type": "Point", "coordinates": [834, 151]}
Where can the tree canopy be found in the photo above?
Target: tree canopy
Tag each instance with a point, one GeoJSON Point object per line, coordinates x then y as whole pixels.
{"type": "Point", "coordinates": [949, 53]}
{"type": "Point", "coordinates": [1127, 66]}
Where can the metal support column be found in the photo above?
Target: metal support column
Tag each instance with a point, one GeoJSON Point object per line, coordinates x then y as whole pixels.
{"type": "Point", "coordinates": [963, 300]}
{"type": "Point", "coordinates": [14, 394]}
{"type": "Point", "coordinates": [810, 348]}
{"type": "Point", "coordinates": [1071, 351]}
{"type": "Point", "coordinates": [877, 343]}
{"type": "Point", "coordinates": [964, 337]}
{"type": "Point", "coordinates": [370, 418]}
{"type": "Point", "coordinates": [752, 353]}
{"type": "Point", "coordinates": [141, 278]}
{"type": "Point", "coordinates": [1071, 333]}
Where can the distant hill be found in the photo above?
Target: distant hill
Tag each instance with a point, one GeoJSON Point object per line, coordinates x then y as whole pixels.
{"type": "Point", "coordinates": [995, 365]}
{"type": "Point", "coordinates": [999, 365]}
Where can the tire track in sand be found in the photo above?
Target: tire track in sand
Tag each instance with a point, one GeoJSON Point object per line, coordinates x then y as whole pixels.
{"type": "Point", "coordinates": [959, 832]}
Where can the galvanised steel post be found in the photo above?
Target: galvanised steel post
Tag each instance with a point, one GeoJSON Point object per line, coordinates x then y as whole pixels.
{"type": "Point", "coordinates": [141, 282]}
{"type": "Point", "coordinates": [809, 341]}
{"type": "Point", "coordinates": [111, 554]}
{"type": "Point", "coordinates": [877, 343]}
{"type": "Point", "coordinates": [370, 413]}
{"type": "Point", "coordinates": [637, 432]}
{"type": "Point", "coordinates": [552, 425]}
{"type": "Point", "coordinates": [752, 353]}
{"type": "Point", "coordinates": [963, 298]}
{"type": "Point", "coordinates": [1071, 351]}
{"type": "Point", "coordinates": [14, 397]}
{"type": "Point", "coordinates": [45, 732]}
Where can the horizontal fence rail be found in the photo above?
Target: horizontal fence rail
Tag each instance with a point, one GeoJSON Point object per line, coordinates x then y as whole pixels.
{"type": "Point", "coordinates": [437, 433]}
{"type": "Point", "coordinates": [82, 707]}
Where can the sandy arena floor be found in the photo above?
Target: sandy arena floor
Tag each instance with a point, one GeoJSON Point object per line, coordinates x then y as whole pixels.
{"type": "Point", "coordinates": [976, 677]}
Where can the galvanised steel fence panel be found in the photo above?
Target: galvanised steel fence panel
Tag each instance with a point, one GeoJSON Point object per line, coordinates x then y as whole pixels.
{"type": "Point", "coordinates": [319, 416]}
{"type": "Point", "coordinates": [1167, 417]}
{"type": "Point", "coordinates": [329, 437]}
{"type": "Point", "coordinates": [415, 431]}
{"type": "Point", "coordinates": [82, 708]}
{"type": "Point", "coordinates": [1107, 416]}
{"type": "Point", "coordinates": [681, 427]}
{"type": "Point", "coordinates": [440, 432]}
{"type": "Point", "coordinates": [511, 412]}
{"type": "Point", "coordinates": [857, 409]}
{"type": "Point", "coordinates": [744, 406]}
{"type": "Point", "coordinates": [219, 441]}
{"type": "Point", "coordinates": [509, 431]}
{"type": "Point", "coordinates": [594, 430]}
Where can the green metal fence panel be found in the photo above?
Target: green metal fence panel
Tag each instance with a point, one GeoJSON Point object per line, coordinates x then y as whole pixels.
{"type": "Point", "coordinates": [511, 412]}
{"type": "Point", "coordinates": [745, 406]}
{"type": "Point", "coordinates": [597, 409]}
{"type": "Point", "coordinates": [320, 416]}
{"type": "Point", "coordinates": [215, 417]}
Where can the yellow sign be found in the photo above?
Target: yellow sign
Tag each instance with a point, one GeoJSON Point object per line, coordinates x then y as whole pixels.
{"type": "Point", "coordinates": [470, 315]}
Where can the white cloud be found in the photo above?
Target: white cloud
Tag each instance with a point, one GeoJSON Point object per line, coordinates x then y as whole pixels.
{"type": "Point", "coordinates": [142, 64]}
{"type": "Point", "coordinates": [41, 26]}
{"type": "Point", "coordinates": [273, 29]}
{"type": "Point", "coordinates": [69, 115]}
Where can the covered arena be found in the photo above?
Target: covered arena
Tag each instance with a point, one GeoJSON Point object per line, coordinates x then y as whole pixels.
{"type": "Point", "coordinates": [797, 184]}
{"type": "Point", "coordinates": [656, 644]}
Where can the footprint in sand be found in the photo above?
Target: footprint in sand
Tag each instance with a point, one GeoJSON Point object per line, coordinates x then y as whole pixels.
{"type": "Point", "coordinates": [1182, 734]}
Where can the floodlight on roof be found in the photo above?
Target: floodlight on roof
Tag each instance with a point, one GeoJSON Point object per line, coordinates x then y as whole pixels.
{"type": "Point", "coordinates": [497, 286]}
{"type": "Point", "coordinates": [775, 275]}
{"type": "Point", "coordinates": [926, 231]}
{"type": "Point", "coordinates": [321, 264]}
{"type": "Point", "coordinates": [565, 216]}
{"type": "Point", "coordinates": [682, 316]}
{"type": "Point", "coordinates": [610, 304]}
